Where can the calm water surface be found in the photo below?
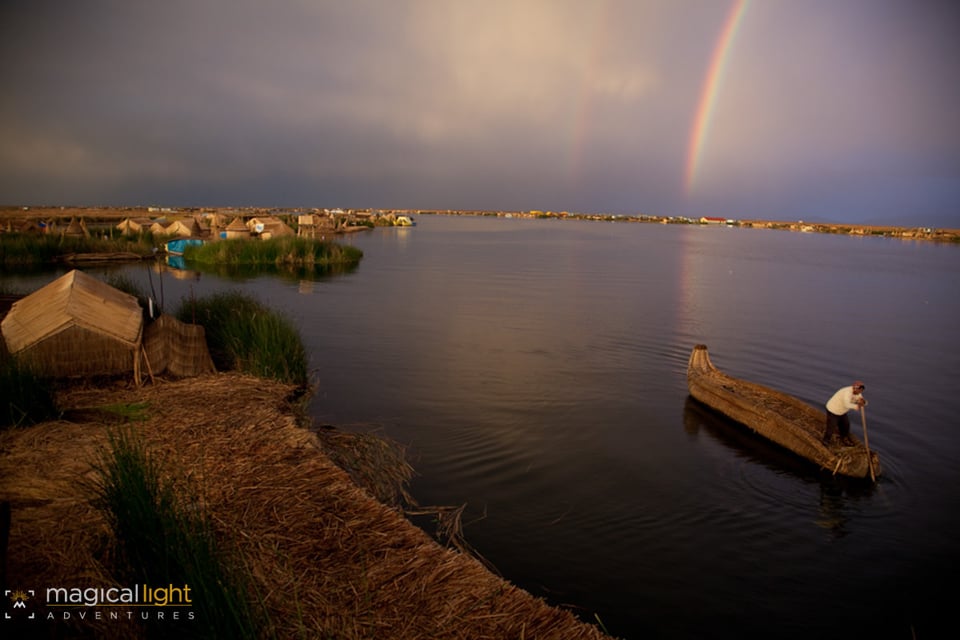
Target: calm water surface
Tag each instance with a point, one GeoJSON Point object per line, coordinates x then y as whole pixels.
{"type": "Point", "coordinates": [536, 370]}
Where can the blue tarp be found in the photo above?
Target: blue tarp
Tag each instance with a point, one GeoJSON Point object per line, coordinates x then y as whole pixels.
{"type": "Point", "coordinates": [176, 247]}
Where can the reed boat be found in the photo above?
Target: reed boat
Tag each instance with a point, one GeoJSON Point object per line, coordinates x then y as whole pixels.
{"type": "Point", "coordinates": [777, 416]}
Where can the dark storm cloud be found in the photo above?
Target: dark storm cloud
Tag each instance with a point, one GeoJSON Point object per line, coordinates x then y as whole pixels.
{"type": "Point", "coordinates": [840, 110]}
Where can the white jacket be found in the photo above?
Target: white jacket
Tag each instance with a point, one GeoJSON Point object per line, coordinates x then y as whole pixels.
{"type": "Point", "coordinates": [844, 400]}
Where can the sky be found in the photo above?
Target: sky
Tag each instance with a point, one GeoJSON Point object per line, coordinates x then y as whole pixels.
{"type": "Point", "coordinates": [819, 110]}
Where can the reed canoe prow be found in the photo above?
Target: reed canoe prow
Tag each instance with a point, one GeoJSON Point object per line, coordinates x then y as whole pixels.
{"type": "Point", "coordinates": [699, 359]}
{"type": "Point", "coordinates": [779, 417]}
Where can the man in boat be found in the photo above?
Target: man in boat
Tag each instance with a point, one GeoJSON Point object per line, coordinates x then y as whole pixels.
{"type": "Point", "coordinates": [843, 401]}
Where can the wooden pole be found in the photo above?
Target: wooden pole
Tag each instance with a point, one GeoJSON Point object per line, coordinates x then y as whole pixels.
{"type": "Point", "coordinates": [866, 443]}
{"type": "Point", "coordinates": [146, 359]}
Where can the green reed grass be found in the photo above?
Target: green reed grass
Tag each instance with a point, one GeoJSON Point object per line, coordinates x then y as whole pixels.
{"type": "Point", "coordinates": [126, 284]}
{"type": "Point", "coordinates": [26, 397]}
{"type": "Point", "coordinates": [283, 251]}
{"type": "Point", "coordinates": [244, 335]}
{"type": "Point", "coordinates": [29, 249]}
{"type": "Point", "coordinates": [128, 410]}
{"type": "Point", "coordinates": [164, 538]}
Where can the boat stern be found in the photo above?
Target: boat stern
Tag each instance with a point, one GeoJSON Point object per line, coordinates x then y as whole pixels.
{"type": "Point", "coordinates": [857, 462]}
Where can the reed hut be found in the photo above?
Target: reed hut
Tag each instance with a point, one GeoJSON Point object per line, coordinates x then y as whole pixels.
{"type": "Point", "coordinates": [185, 228]}
{"type": "Point", "coordinates": [77, 228]}
{"type": "Point", "coordinates": [276, 229]}
{"type": "Point", "coordinates": [216, 219]}
{"type": "Point", "coordinates": [237, 229]}
{"type": "Point", "coordinates": [202, 225]}
{"type": "Point", "coordinates": [158, 228]}
{"type": "Point", "coordinates": [132, 226]}
{"type": "Point", "coordinates": [269, 227]}
{"type": "Point", "coordinates": [259, 222]}
{"type": "Point", "coordinates": [76, 326]}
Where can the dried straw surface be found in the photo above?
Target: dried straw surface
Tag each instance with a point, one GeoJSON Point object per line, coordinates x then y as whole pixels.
{"type": "Point", "coordinates": [328, 559]}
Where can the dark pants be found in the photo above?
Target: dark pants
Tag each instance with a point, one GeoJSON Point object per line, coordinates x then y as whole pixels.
{"type": "Point", "coordinates": [836, 423]}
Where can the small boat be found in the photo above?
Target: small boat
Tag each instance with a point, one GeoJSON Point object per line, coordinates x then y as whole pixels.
{"type": "Point", "coordinates": [176, 247]}
{"type": "Point", "coordinates": [777, 416]}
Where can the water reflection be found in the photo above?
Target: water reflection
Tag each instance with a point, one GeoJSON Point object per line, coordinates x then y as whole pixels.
{"type": "Point", "coordinates": [243, 273]}
{"type": "Point", "coordinates": [305, 287]}
{"type": "Point", "coordinates": [833, 516]}
{"type": "Point", "coordinates": [177, 268]}
{"type": "Point", "coordinates": [743, 442]}
{"type": "Point", "coordinates": [835, 494]}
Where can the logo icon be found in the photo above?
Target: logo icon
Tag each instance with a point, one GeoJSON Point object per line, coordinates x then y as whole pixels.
{"type": "Point", "coordinates": [18, 599]}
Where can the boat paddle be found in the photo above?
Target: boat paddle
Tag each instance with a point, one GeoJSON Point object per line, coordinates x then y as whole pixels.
{"type": "Point", "coordinates": [866, 442]}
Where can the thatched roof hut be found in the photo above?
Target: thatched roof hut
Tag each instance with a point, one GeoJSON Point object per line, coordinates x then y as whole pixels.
{"type": "Point", "coordinates": [134, 225]}
{"type": "Point", "coordinates": [276, 229]}
{"type": "Point", "coordinates": [74, 326]}
{"type": "Point", "coordinates": [76, 228]}
{"type": "Point", "coordinates": [237, 229]}
{"type": "Point", "coordinates": [202, 225]}
{"type": "Point", "coordinates": [158, 228]}
{"type": "Point", "coordinates": [269, 227]}
{"type": "Point", "coordinates": [216, 219]}
{"type": "Point", "coordinates": [185, 228]}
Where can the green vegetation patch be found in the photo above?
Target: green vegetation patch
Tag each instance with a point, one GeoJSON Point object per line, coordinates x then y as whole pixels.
{"type": "Point", "coordinates": [128, 285]}
{"type": "Point", "coordinates": [32, 250]}
{"type": "Point", "coordinates": [244, 335]}
{"type": "Point", "coordinates": [284, 251]}
{"type": "Point", "coordinates": [134, 411]}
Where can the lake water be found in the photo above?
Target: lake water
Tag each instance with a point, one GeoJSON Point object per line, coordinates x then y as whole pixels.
{"type": "Point", "coordinates": [536, 371]}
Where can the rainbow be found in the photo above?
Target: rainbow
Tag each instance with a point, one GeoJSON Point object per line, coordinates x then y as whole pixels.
{"type": "Point", "coordinates": [711, 87]}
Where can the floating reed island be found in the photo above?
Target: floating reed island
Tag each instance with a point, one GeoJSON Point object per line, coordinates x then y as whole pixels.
{"type": "Point", "coordinates": [219, 481]}
{"type": "Point", "coordinates": [324, 558]}
{"type": "Point", "coordinates": [35, 238]}
{"type": "Point", "coordinates": [281, 251]}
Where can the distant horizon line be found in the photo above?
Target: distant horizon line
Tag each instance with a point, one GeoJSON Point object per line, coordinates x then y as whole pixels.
{"type": "Point", "coordinates": [940, 222]}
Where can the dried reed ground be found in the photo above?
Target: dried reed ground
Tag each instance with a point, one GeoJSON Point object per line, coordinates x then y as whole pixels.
{"type": "Point", "coordinates": [328, 559]}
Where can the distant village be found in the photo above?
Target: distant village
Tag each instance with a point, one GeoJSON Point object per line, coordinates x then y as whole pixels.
{"type": "Point", "coordinates": [196, 223]}
{"type": "Point", "coordinates": [230, 222]}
